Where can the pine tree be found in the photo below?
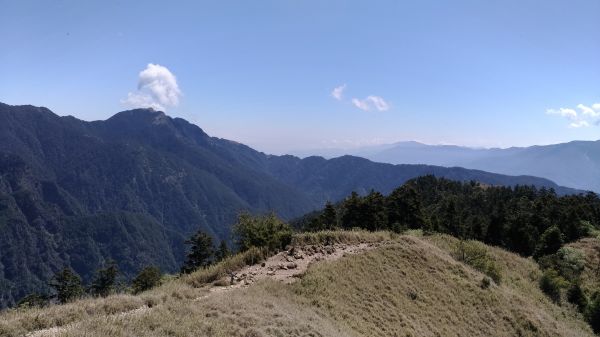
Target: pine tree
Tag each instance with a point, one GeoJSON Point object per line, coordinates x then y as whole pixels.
{"type": "Point", "coordinates": [200, 254]}
{"type": "Point", "coordinates": [373, 215]}
{"type": "Point", "coordinates": [404, 209]}
{"type": "Point", "coordinates": [329, 217]}
{"type": "Point", "coordinates": [105, 280]}
{"type": "Point", "coordinates": [67, 285]}
{"type": "Point", "coordinates": [352, 211]}
{"type": "Point", "coordinates": [222, 252]}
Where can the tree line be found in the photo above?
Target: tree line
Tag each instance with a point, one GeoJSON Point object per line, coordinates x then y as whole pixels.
{"type": "Point", "coordinates": [520, 219]}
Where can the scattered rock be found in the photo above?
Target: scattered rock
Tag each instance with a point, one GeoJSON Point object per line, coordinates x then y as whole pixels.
{"type": "Point", "coordinates": [291, 265]}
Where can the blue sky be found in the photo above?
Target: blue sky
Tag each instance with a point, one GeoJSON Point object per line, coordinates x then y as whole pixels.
{"type": "Point", "coordinates": [476, 73]}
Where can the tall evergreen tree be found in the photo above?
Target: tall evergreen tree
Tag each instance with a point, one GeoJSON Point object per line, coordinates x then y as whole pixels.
{"type": "Point", "coordinates": [200, 254]}
{"type": "Point", "coordinates": [67, 285]}
{"type": "Point", "coordinates": [222, 251]}
{"type": "Point", "coordinates": [352, 211]}
{"type": "Point", "coordinates": [404, 209]}
{"type": "Point", "coordinates": [105, 280]}
{"type": "Point", "coordinates": [329, 217]}
{"type": "Point", "coordinates": [373, 214]}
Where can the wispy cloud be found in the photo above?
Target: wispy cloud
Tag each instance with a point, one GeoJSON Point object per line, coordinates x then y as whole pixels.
{"type": "Point", "coordinates": [579, 124]}
{"type": "Point", "coordinates": [367, 104]}
{"type": "Point", "coordinates": [338, 92]}
{"type": "Point", "coordinates": [371, 102]}
{"type": "Point", "coordinates": [157, 88]}
{"type": "Point", "coordinates": [565, 112]}
{"type": "Point", "coordinates": [587, 115]}
{"type": "Point", "coordinates": [586, 110]}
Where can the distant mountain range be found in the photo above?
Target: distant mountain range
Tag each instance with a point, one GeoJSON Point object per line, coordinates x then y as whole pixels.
{"type": "Point", "coordinates": [575, 164]}
{"type": "Point", "coordinates": [133, 187]}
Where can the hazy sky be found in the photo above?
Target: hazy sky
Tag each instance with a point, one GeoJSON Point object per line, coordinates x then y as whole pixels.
{"type": "Point", "coordinates": [285, 75]}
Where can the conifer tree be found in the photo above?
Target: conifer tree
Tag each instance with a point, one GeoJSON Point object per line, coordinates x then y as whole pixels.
{"type": "Point", "coordinates": [352, 211]}
{"type": "Point", "coordinates": [67, 285]}
{"type": "Point", "coordinates": [329, 217]}
{"type": "Point", "coordinates": [105, 280]}
{"type": "Point", "coordinates": [222, 252]}
{"type": "Point", "coordinates": [200, 254]}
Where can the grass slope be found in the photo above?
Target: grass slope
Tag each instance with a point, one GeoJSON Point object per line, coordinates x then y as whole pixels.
{"type": "Point", "coordinates": [413, 287]}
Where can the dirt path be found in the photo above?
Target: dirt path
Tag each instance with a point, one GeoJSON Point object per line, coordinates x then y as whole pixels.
{"type": "Point", "coordinates": [286, 266]}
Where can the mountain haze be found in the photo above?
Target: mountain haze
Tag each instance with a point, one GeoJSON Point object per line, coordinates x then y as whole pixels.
{"type": "Point", "coordinates": [133, 187]}
{"type": "Point", "coordinates": [575, 164]}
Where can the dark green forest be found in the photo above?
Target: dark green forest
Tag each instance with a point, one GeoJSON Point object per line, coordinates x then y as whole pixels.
{"type": "Point", "coordinates": [515, 218]}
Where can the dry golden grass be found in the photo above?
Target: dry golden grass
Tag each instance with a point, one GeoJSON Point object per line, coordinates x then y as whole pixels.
{"type": "Point", "coordinates": [220, 270]}
{"type": "Point", "coordinates": [413, 287]}
{"type": "Point", "coordinates": [347, 237]}
{"type": "Point", "coordinates": [590, 247]}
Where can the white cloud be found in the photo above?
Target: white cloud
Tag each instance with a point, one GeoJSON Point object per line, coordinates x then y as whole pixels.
{"type": "Point", "coordinates": [338, 92]}
{"type": "Point", "coordinates": [379, 103]}
{"type": "Point", "coordinates": [565, 112]}
{"type": "Point", "coordinates": [579, 124]}
{"type": "Point", "coordinates": [370, 102]}
{"type": "Point", "coordinates": [586, 110]}
{"type": "Point", "coordinates": [590, 115]}
{"type": "Point", "coordinates": [363, 105]}
{"type": "Point", "coordinates": [157, 88]}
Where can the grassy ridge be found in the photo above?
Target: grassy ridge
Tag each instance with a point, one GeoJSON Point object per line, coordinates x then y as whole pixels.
{"type": "Point", "coordinates": [412, 287]}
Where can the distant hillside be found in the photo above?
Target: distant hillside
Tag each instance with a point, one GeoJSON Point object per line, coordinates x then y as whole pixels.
{"type": "Point", "coordinates": [409, 286]}
{"type": "Point", "coordinates": [133, 187]}
{"type": "Point", "coordinates": [575, 164]}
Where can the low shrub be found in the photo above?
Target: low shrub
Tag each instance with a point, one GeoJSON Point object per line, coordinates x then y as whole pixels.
{"type": "Point", "coordinates": [475, 254]}
{"type": "Point", "coordinates": [147, 279]}
{"type": "Point", "coordinates": [551, 284]}
{"type": "Point", "coordinates": [263, 231]}
{"type": "Point", "coordinates": [576, 296]}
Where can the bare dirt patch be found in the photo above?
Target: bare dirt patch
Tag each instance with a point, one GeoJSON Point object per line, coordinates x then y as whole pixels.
{"type": "Point", "coordinates": [288, 265]}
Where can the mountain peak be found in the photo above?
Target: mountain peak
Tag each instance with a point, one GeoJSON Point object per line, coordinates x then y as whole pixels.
{"type": "Point", "coordinates": [137, 119]}
{"type": "Point", "coordinates": [141, 114]}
